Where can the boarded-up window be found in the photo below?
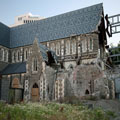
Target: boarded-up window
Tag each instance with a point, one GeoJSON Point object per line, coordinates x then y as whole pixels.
{"type": "Point", "coordinates": [15, 83]}
{"type": "Point", "coordinates": [35, 90]}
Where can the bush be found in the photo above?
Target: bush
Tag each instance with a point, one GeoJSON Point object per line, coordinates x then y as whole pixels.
{"type": "Point", "coordinates": [51, 111]}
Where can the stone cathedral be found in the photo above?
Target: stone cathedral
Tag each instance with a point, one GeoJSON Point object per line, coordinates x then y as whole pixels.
{"type": "Point", "coordinates": [54, 58]}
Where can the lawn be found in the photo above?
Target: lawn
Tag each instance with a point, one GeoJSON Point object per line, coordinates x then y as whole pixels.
{"type": "Point", "coordinates": [51, 111]}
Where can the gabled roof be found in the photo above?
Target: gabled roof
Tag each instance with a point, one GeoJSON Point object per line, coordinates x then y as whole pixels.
{"type": "Point", "coordinates": [77, 22]}
{"type": "Point", "coordinates": [14, 68]}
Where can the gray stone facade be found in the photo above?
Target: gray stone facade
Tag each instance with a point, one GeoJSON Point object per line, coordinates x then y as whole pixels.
{"type": "Point", "coordinates": [52, 81]}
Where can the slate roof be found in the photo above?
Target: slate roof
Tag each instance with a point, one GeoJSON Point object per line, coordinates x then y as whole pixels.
{"type": "Point", "coordinates": [43, 50]}
{"type": "Point", "coordinates": [4, 35]}
{"type": "Point", "coordinates": [77, 22]}
{"type": "Point", "coordinates": [14, 68]}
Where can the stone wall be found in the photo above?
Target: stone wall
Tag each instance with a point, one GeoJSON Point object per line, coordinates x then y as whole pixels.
{"type": "Point", "coordinates": [81, 46]}
{"type": "Point", "coordinates": [5, 88]}
{"type": "Point", "coordinates": [50, 76]}
{"type": "Point", "coordinates": [85, 80]}
{"type": "Point", "coordinates": [54, 82]}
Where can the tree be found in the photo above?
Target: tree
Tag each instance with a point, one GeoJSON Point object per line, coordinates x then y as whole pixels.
{"type": "Point", "coordinates": [115, 51]}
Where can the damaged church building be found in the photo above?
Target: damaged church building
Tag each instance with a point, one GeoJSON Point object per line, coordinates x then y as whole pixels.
{"type": "Point", "coordinates": [54, 58]}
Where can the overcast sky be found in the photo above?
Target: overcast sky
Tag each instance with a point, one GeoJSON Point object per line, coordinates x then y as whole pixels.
{"type": "Point", "coordinates": [46, 8]}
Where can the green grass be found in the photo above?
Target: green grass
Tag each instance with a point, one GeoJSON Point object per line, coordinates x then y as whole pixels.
{"type": "Point", "coordinates": [51, 111]}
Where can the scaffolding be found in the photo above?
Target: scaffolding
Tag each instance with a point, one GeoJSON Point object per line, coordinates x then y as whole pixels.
{"type": "Point", "coordinates": [113, 24]}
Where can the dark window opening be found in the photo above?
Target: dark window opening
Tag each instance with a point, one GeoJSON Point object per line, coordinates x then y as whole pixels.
{"type": "Point", "coordinates": [48, 88]}
{"type": "Point", "coordinates": [50, 58]}
{"type": "Point", "coordinates": [87, 92]}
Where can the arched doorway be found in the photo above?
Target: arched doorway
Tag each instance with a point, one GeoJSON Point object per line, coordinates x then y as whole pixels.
{"type": "Point", "coordinates": [87, 92]}
{"type": "Point", "coordinates": [35, 93]}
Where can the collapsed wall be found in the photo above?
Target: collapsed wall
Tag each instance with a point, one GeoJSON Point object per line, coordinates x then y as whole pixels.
{"type": "Point", "coordinates": [86, 80]}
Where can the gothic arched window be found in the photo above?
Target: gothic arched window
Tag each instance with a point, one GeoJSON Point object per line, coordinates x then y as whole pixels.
{"type": "Point", "coordinates": [30, 51]}
{"type": "Point", "coordinates": [13, 56]}
{"type": "Point", "coordinates": [73, 47]}
{"type": "Point", "coordinates": [18, 56]}
{"type": "Point", "coordinates": [58, 48]}
{"type": "Point", "coordinates": [87, 92]}
{"type": "Point", "coordinates": [2, 52]}
{"type": "Point", "coordinates": [35, 64]}
{"type": "Point", "coordinates": [84, 45]}
{"type": "Point", "coordinates": [90, 44]}
{"type": "Point", "coordinates": [67, 45]}
{"type": "Point", "coordinates": [6, 56]}
{"type": "Point", "coordinates": [25, 54]}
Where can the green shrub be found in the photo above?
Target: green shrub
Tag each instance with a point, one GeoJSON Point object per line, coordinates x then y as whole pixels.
{"type": "Point", "coordinates": [111, 114]}
{"type": "Point", "coordinates": [51, 111]}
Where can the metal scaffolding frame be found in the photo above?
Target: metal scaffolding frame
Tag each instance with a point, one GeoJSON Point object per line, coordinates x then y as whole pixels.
{"type": "Point", "coordinates": [113, 24]}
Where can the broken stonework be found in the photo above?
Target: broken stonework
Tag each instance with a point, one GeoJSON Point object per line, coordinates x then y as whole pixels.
{"type": "Point", "coordinates": [86, 80]}
{"type": "Point", "coordinates": [50, 76]}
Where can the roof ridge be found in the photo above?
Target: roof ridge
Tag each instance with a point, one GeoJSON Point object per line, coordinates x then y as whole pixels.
{"type": "Point", "coordinates": [77, 22]}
